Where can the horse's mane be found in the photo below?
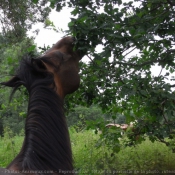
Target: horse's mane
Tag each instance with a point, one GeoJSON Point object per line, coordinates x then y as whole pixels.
{"type": "Point", "coordinates": [31, 70]}
{"type": "Point", "coordinates": [46, 145]}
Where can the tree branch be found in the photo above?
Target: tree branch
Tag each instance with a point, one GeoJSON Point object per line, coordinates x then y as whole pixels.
{"type": "Point", "coordinates": [90, 58]}
{"type": "Point", "coordinates": [146, 62]}
{"type": "Point", "coordinates": [137, 65]}
{"type": "Point", "coordinates": [171, 3]}
{"type": "Point", "coordinates": [130, 51]}
{"type": "Point", "coordinates": [163, 141]}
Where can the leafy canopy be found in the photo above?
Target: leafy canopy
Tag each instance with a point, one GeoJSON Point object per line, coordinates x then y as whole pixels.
{"type": "Point", "coordinates": [135, 37]}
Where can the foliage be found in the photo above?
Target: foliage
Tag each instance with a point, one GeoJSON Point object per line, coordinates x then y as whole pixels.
{"type": "Point", "coordinates": [17, 17]}
{"type": "Point", "coordinates": [12, 54]}
{"type": "Point", "coordinates": [12, 113]}
{"type": "Point", "coordinates": [81, 118]}
{"type": "Point", "coordinates": [146, 158]}
{"type": "Point", "coordinates": [172, 144]}
{"type": "Point", "coordinates": [135, 37]}
{"type": "Point", "coordinates": [10, 145]}
{"type": "Point", "coordinates": [80, 115]}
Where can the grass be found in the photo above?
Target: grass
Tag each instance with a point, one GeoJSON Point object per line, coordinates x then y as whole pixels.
{"type": "Point", "coordinates": [146, 158]}
{"type": "Point", "coordinates": [9, 148]}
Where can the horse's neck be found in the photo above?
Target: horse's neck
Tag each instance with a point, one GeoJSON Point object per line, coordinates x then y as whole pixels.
{"type": "Point", "coordinates": [46, 145]}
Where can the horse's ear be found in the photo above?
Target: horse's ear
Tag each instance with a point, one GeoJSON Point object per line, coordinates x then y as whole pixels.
{"type": "Point", "coordinates": [12, 82]}
{"type": "Point", "coordinates": [38, 64]}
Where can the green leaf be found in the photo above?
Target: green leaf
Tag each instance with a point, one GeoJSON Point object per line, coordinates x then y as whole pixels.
{"type": "Point", "coordinates": [116, 149]}
{"type": "Point", "coordinates": [3, 106]}
{"type": "Point", "coordinates": [8, 147]}
{"type": "Point", "coordinates": [31, 48]}
{"type": "Point", "coordinates": [10, 60]}
{"type": "Point", "coordinates": [70, 24]}
{"type": "Point", "coordinates": [35, 1]}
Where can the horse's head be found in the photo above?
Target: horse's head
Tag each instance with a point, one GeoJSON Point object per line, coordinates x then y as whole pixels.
{"type": "Point", "coordinates": [61, 60]}
{"type": "Point", "coordinates": [65, 70]}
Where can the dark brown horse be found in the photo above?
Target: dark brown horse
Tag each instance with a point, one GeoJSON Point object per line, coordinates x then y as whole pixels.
{"type": "Point", "coordinates": [46, 148]}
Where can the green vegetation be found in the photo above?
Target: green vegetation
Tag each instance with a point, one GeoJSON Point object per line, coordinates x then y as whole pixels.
{"type": "Point", "coordinates": [133, 71]}
{"type": "Point", "coordinates": [147, 156]}
{"type": "Point", "coordinates": [134, 36]}
{"type": "Point", "coordinates": [10, 146]}
{"type": "Point", "coordinates": [13, 114]}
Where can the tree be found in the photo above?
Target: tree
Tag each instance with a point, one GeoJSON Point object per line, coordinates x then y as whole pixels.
{"type": "Point", "coordinates": [12, 113]}
{"type": "Point", "coordinates": [17, 17]}
{"type": "Point", "coordinates": [80, 115]}
{"type": "Point", "coordinates": [134, 36]}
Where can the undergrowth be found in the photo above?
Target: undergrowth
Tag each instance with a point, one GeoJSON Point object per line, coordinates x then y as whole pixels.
{"type": "Point", "coordinates": [146, 158]}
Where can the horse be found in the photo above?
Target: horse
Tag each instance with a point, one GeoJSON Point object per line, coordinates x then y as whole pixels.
{"type": "Point", "coordinates": [48, 79]}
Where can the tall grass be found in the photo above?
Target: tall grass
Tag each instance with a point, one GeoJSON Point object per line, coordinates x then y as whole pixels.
{"type": "Point", "coordinates": [9, 146]}
{"type": "Point", "coordinates": [146, 158]}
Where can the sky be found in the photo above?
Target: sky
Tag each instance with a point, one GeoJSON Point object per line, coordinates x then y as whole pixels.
{"type": "Point", "coordinates": [49, 36]}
